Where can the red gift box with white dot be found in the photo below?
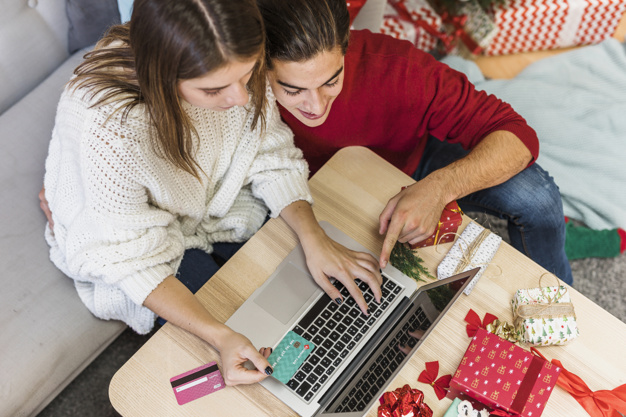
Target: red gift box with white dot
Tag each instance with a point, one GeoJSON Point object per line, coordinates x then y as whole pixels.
{"type": "Point", "coordinates": [503, 375]}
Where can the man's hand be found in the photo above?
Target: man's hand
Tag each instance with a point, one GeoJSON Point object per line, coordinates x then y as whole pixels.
{"type": "Point", "coordinates": [410, 216]}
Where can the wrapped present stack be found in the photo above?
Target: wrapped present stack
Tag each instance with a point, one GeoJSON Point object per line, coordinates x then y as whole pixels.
{"type": "Point", "coordinates": [415, 21]}
{"type": "Point", "coordinates": [504, 376]}
{"type": "Point", "coordinates": [531, 25]}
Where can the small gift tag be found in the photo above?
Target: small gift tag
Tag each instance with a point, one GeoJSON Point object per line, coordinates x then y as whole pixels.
{"type": "Point", "coordinates": [289, 355]}
{"type": "Point", "coordinates": [475, 247]}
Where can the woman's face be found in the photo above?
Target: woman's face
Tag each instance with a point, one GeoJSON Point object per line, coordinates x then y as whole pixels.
{"type": "Point", "coordinates": [220, 89]}
{"type": "Point", "coordinates": [307, 89]}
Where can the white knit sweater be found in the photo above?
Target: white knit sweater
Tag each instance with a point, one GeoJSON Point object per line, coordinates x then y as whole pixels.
{"type": "Point", "coordinates": [123, 215]}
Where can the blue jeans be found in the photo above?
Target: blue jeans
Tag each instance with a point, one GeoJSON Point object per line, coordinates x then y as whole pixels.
{"type": "Point", "coordinates": [197, 266]}
{"type": "Point", "coordinates": [530, 202]}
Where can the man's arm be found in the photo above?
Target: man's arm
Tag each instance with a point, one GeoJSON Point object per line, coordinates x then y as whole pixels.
{"type": "Point", "coordinates": [412, 214]}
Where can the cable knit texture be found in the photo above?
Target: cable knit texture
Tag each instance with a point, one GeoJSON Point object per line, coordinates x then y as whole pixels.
{"type": "Point", "coordinates": [123, 215]}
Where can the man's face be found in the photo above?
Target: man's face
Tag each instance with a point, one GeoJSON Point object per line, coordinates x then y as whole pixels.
{"type": "Point", "coordinates": [307, 89]}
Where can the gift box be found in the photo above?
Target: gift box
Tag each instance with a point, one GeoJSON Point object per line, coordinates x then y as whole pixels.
{"type": "Point", "coordinates": [464, 408]}
{"type": "Point", "coordinates": [502, 375]}
{"type": "Point", "coordinates": [449, 223]}
{"type": "Point", "coordinates": [415, 21]}
{"type": "Point", "coordinates": [529, 25]}
{"type": "Point", "coordinates": [471, 28]}
{"type": "Point", "coordinates": [354, 7]}
{"type": "Point", "coordinates": [475, 247]}
{"type": "Point", "coordinates": [544, 316]}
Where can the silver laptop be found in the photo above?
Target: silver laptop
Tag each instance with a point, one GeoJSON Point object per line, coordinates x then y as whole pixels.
{"type": "Point", "coordinates": [355, 356]}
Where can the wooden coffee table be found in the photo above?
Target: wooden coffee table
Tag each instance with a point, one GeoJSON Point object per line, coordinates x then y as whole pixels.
{"type": "Point", "coordinates": [350, 191]}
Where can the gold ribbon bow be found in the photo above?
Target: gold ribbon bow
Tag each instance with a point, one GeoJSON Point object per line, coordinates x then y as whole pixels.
{"type": "Point", "coordinates": [504, 330]}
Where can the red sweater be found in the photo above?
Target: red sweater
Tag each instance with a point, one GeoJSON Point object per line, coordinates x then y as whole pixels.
{"type": "Point", "coordinates": [393, 96]}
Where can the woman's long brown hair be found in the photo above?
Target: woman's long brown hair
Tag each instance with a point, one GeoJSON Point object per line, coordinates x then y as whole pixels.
{"type": "Point", "coordinates": [141, 63]}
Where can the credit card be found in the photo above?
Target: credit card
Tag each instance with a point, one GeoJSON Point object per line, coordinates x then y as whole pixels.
{"type": "Point", "coordinates": [197, 383]}
{"type": "Point", "coordinates": [287, 357]}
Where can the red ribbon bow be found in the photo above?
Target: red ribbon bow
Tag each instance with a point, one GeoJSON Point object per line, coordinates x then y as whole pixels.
{"type": "Point", "coordinates": [601, 403]}
{"type": "Point", "coordinates": [474, 322]}
{"type": "Point", "coordinates": [404, 402]}
{"type": "Point", "coordinates": [429, 376]}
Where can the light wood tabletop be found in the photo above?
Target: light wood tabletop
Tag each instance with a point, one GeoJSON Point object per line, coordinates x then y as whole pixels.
{"type": "Point", "coordinates": [350, 191]}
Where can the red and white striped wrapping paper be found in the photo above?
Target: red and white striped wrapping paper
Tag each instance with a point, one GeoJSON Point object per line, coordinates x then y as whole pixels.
{"type": "Point", "coordinates": [411, 27]}
{"type": "Point", "coordinates": [531, 25]}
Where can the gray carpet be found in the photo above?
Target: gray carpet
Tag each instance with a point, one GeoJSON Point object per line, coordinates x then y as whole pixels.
{"type": "Point", "coordinates": [601, 280]}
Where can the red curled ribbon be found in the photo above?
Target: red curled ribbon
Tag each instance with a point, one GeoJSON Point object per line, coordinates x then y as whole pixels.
{"type": "Point", "coordinates": [601, 403]}
{"type": "Point", "coordinates": [429, 376]}
{"type": "Point", "coordinates": [404, 402]}
{"type": "Point", "coordinates": [475, 323]}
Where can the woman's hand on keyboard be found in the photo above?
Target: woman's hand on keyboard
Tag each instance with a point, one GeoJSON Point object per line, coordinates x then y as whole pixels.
{"type": "Point", "coordinates": [328, 259]}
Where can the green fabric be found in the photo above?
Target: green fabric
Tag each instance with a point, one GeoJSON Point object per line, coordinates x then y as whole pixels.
{"type": "Point", "coordinates": [582, 242]}
{"type": "Point", "coordinates": [453, 410]}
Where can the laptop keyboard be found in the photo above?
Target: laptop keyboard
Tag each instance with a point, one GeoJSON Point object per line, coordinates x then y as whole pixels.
{"type": "Point", "coordinates": [382, 367]}
{"type": "Point", "coordinates": [335, 330]}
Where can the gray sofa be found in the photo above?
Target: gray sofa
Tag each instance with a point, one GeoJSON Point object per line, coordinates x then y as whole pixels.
{"type": "Point", "coordinates": [47, 336]}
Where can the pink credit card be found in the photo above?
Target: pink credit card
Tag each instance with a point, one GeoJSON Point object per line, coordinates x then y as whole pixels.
{"type": "Point", "coordinates": [197, 383]}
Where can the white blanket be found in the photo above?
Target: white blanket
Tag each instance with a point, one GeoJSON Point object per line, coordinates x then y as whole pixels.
{"type": "Point", "coordinates": [576, 101]}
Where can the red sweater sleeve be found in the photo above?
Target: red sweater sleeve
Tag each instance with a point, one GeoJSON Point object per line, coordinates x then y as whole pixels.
{"type": "Point", "coordinates": [448, 106]}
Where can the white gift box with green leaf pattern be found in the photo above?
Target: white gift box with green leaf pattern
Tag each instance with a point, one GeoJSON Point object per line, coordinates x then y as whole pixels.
{"type": "Point", "coordinates": [544, 316]}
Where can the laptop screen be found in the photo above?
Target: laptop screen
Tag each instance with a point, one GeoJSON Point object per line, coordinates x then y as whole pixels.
{"type": "Point", "coordinates": [385, 354]}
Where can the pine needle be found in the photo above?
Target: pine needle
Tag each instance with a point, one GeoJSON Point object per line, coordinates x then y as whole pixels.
{"type": "Point", "coordinates": [409, 262]}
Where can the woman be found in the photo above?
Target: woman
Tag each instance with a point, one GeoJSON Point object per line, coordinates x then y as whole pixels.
{"type": "Point", "coordinates": [337, 88]}
{"type": "Point", "coordinates": [154, 155]}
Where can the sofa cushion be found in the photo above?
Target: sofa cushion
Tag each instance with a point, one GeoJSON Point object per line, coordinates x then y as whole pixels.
{"type": "Point", "coordinates": [88, 20]}
{"type": "Point", "coordinates": [48, 335]}
{"type": "Point", "coordinates": [33, 43]}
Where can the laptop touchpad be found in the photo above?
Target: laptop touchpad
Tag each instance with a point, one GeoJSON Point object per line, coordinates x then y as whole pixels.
{"type": "Point", "coordinates": [286, 293]}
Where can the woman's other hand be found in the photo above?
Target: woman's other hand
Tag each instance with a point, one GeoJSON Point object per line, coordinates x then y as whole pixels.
{"type": "Point", "coordinates": [235, 349]}
{"type": "Point", "coordinates": [43, 203]}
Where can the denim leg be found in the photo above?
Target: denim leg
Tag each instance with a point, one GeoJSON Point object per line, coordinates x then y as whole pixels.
{"type": "Point", "coordinates": [197, 266]}
{"type": "Point", "coordinates": [530, 202]}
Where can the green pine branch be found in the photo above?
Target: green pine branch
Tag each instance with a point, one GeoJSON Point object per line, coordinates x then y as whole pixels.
{"type": "Point", "coordinates": [409, 262]}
